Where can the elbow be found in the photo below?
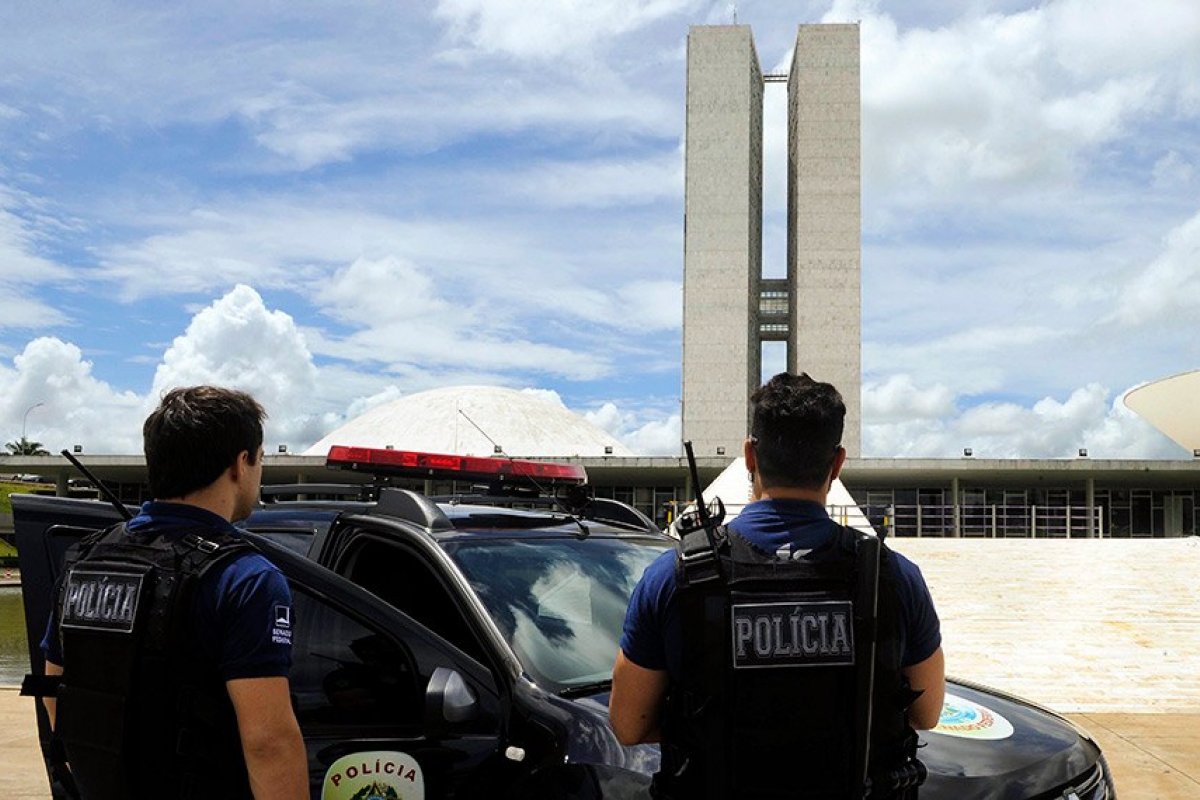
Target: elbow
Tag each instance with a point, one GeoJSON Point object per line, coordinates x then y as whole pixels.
{"type": "Point", "coordinates": [626, 734]}
{"type": "Point", "coordinates": [926, 712]}
{"type": "Point", "coordinates": [924, 720]}
{"type": "Point", "coordinates": [269, 743]}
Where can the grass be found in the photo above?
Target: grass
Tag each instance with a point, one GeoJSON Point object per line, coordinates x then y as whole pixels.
{"type": "Point", "coordinates": [15, 487]}
{"type": "Point", "coordinates": [8, 553]}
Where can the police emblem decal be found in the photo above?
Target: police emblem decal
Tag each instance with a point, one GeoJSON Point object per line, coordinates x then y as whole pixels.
{"type": "Point", "coordinates": [101, 601]}
{"type": "Point", "coordinates": [281, 625]}
{"type": "Point", "coordinates": [377, 775]}
{"type": "Point", "coordinates": [809, 634]}
{"type": "Point", "coordinates": [966, 720]}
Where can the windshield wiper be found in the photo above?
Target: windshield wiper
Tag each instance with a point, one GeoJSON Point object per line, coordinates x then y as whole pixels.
{"type": "Point", "coordinates": [584, 689]}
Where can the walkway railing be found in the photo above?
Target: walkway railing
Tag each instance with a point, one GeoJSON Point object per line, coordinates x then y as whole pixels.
{"type": "Point", "coordinates": [984, 521]}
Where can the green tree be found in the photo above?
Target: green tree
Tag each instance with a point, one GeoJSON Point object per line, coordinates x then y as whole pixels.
{"type": "Point", "coordinates": [24, 447]}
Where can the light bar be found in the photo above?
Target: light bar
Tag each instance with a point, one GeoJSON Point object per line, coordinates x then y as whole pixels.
{"type": "Point", "coordinates": [410, 464]}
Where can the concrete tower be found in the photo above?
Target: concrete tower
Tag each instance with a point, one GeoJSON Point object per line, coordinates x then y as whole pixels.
{"type": "Point", "coordinates": [722, 239]}
{"type": "Point", "coordinates": [825, 215]}
{"type": "Point", "coordinates": [729, 310]}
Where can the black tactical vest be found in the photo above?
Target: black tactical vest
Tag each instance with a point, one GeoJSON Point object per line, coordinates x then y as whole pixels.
{"type": "Point", "coordinates": [138, 715]}
{"type": "Point", "coordinates": [791, 684]}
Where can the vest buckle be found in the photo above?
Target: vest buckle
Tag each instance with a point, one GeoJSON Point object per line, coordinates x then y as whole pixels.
{"type": "Point", "coordinates": [197, 542]}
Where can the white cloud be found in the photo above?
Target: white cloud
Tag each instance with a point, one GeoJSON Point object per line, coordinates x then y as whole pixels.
{"type": "Point", "coordinates": [402, 320]}
{"type": "Point", "coordinates": [550, 30]}
{"type": "Point", "coordinates": [1167, 291]}
{"type": "Point", "coordinates": [1016, 99]}
{"type": "Point", "coordinates": [340, 83]}
{"type": "Point", "coordinates": [548, 396]}
{"type": "Point", "coordinates": [646, 432]}
{"type": "Point", "coordinates": [22, 268]}
{"type": "Point", "coordinates": [238, 342]}
{"type": "Point", "coordinates": [1173, 170]}
{"type": "Point", "coordinates": [602, 184]}
{"type": "Point", "coordinates": [898, 399]}
{"type": "Point", "coordinates": [72, 405]}
{"type": "Point", "coordinates": [1049, 428]}
{"type": "Point", "coordinates": [661, 437]}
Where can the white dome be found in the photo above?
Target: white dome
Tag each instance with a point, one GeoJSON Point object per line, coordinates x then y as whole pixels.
{"type": "Point", "coordinates": [455, 420]}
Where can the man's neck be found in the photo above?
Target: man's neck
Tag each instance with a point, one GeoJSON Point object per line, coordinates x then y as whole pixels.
{"type": "Point", "coordinates": [217, 503]}
{"type": "Point", "coordinates": [794, 493]}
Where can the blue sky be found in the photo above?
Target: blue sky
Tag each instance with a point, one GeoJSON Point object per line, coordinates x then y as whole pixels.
{"type": "Point", "coordinates": [333, 206]}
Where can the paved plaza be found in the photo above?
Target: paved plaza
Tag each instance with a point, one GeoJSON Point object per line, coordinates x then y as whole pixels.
{"type": "Point", "coordinates": [1106, 632]}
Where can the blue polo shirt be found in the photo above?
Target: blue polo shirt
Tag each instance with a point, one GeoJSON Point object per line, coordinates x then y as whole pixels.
{"type": "Point", "coordinates": [242, 613]}
{"type": "Point", "coordinates": [653, 634]}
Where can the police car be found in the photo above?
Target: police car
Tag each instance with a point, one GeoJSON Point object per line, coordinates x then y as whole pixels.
{"type": "Point", "coordinates": [462, 646]}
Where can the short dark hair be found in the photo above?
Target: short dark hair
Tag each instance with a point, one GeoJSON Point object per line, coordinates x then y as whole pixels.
{"type": "Point", "coordinates": [195, 434]}
{"type": "Point", "coordinates": [797, 428]}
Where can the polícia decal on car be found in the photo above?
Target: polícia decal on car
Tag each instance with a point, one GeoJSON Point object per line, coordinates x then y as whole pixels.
{"type": "Point", "coordinates": [377, 775]}
{"type": "Point", "coordinates": [967, 720]}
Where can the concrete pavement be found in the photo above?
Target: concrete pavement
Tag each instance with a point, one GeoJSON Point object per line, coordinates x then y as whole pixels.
{"type": "Point", "coordinates": [1106, 632]}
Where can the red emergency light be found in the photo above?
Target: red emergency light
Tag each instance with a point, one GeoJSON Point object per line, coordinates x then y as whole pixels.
{"type": "Point", "coordinates": [406, 463]}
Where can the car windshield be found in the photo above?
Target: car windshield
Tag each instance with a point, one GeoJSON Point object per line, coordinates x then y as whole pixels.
{"type": "Point", "coordinates": [560, 603]}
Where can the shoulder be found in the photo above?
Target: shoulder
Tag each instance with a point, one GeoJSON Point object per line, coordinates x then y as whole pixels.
{"type": "Point", "coordinates": [904, 570]}
{"type": "Point", "coordinates": [910, 587]}
{"type": "Point", "coordinates": [658, 581]}
{"type": "Point", "coordinates": [244, 577]}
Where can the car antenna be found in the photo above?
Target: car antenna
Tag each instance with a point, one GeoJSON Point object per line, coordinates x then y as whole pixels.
{"type": "Point", "coordinates": [104, 490]}
{"type": "Point", "coordinates": [558, 501]}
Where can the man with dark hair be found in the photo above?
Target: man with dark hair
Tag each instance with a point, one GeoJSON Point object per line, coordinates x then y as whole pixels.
{"type": "Point", "coordinates": [174, 683]}
{"type": "Point", "coordinates": [683, 660]}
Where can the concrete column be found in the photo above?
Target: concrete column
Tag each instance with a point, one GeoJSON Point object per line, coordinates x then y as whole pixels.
{"type": "Point", "coordinates": [61, 485]}
{"type": "Point", "coordinates": [956, 507]}
{"type": "Point", "coordinates": [1090, 491]}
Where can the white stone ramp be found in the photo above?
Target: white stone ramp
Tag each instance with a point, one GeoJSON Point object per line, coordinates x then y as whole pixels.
{"type": "Point", "coordinates": [1081, 625]}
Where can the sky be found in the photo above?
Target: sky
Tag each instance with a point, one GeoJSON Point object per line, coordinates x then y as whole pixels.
{"type": "Point", "coordinates": [333, 205]}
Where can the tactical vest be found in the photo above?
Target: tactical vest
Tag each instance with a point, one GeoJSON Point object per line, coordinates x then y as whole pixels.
{"type": "Point", "coordinates": [791, 684]}
{"type": "Point", "coordinates": [138, 715]}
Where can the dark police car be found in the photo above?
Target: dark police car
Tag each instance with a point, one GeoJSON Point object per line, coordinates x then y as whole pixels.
{"type": "Point", "coordinates": [462, 647]}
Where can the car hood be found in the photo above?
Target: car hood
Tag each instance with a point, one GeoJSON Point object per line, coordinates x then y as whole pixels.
{"type": "Point", "coordinates": [987, 745]}
{"type": "Point", "coordinates": [993, 745]}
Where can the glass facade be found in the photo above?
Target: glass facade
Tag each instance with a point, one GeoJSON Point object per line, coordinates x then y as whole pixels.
{"type": "Point", "coordinates": [1040, 513]}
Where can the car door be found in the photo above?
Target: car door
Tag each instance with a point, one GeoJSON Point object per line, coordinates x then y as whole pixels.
{"type": "Point", "coordinates": [387, 707]}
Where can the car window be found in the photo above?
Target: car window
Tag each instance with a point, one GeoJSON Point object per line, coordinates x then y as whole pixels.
{"type": "Point", "coordinates": [345, 673]}
{"type": "Point", "coordinates": [559, 602]}
{"type": "Point", "coordinates": [400, 577]}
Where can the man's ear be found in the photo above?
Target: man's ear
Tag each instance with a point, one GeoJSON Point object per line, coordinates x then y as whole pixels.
{"type": "Point", "coordinates": [839, 461]}
{"type": "Point", "coordinates": [749, 454]}
{"type": "Point", "coordinates": [239, 466]}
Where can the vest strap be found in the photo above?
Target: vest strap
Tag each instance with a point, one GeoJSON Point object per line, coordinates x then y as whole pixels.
{"type": "Point", "coordinates": [698, 559]}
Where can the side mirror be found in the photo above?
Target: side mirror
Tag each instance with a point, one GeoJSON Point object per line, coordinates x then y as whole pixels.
{"type": "Point", "coordinates": [448, 701]}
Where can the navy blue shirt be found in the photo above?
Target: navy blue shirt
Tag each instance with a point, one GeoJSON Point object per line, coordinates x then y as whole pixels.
{"type": "Point", "coordinates": [243, 608]}
{"type": "Point", "coordinates": [653, 635]}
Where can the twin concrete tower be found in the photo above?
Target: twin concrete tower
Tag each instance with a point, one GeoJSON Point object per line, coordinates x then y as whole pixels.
{"type": "Point", "coordinates": [729, 309]}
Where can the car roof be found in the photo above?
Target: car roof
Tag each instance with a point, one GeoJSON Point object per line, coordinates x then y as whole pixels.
{"type": "Point", "coordinates": [451, 519]}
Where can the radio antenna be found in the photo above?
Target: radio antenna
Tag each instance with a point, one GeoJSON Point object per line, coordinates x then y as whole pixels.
{"type": "Point", "coordinates": [100, 487]}
{"type": "Point", "coordinates": [498, 450]}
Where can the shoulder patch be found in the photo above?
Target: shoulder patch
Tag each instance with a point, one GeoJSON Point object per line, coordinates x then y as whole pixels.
{"type": "Point", "coordinates": [281, 624]}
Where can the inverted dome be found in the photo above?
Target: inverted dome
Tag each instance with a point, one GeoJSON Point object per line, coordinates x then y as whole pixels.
{"type": "Point", "coordinates": [1169, 404]}
{"type": "Point", "coordinates": [456, 419]}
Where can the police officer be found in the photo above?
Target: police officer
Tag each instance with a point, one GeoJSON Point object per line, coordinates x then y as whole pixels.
{"type": "Point", "coordinates": [171, 635]}
{"type": "Point", "coordinates": [677, 675]}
